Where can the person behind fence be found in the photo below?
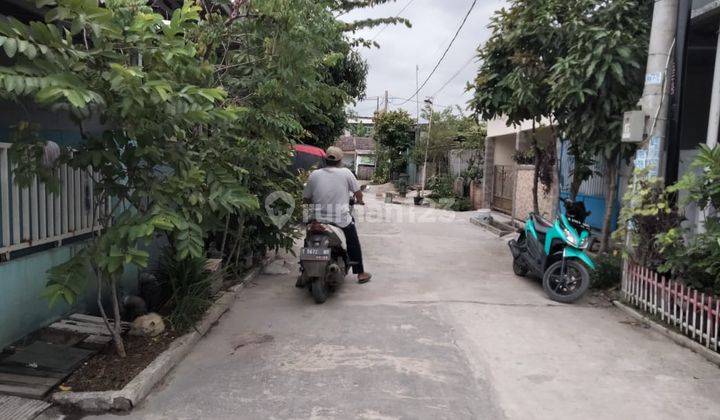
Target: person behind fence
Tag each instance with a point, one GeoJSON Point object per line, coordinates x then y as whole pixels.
{"type": "Point", "coordinates": [328, 191]}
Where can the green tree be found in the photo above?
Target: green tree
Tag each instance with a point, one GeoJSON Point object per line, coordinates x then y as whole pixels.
{"type": "Point", "coordinates": [150, 166]}
{"type": "Point", "coordinates": [394, 133]}
{"type": "Point", "coordinates": [198, 112]}
{"type": "Point", "coordinates": [450, 131]}
{"type": "Point", "coordinates": [345, 80]}
{"type": "Point", "coordinates": [576, 62]}
{"type": "Point", "coordinates": [513, 79]}
{"type": "Point", "coordinates": [599, 78]}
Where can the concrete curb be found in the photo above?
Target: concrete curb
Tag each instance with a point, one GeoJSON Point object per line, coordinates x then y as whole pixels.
{"type": "Point", "coordinates": [138, 389]}
{"type": "Point", "coordinates": [680, 339]}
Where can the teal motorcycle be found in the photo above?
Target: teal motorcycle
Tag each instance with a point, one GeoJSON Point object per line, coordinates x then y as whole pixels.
{"type": "Point", "coordinates": [556, 252]}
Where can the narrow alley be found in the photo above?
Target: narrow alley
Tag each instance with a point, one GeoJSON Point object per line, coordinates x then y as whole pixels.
{"type": "Point", "coordinates": [443, 331]}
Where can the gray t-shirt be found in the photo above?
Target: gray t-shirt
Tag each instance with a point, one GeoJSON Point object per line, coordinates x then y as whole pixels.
{"type": "Point", "coordinates": [328, 190]}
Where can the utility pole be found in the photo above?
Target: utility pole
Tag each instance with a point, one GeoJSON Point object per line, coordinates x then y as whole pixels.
{"type": "Point", "coordinates": [655, 99]}
{"type": "Point", "coordinates": [377, 110]}
{"type": "Point", "coordinates": [427, 144]}
{"type": "Point", "coordinates": [386, 101]}
{"type": "Point", "coordinates": [417, 95]}
{"type": "Point", "coordinates": [656, 94]}
{"type": "Point", "coordinates": [714, 117]}
{"type": "Point", "coordinates": [417, 121]}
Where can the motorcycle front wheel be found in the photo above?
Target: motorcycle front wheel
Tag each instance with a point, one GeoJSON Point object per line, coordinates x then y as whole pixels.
{"type": "Point", "coordinates": [566, 282]}
{"type": "Point", "coordinates": [519, 267]}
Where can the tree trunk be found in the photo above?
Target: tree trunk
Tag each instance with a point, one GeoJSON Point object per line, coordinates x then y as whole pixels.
{"type": "Point", "coordinates": [575, 187]}
{"type": "Point", "coordinates": [116, 328]}
{"type": "Point", "coordinates": [536, 172]}
{"type": "Point", "coordinates": [610, 196]}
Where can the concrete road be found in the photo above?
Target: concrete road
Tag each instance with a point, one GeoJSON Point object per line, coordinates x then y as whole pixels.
{"type": "Point", "coordinates": [443, 331]}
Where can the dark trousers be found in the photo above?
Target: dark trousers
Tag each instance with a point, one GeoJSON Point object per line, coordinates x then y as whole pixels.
{"type": "Point", "coordinates": [353, 248]}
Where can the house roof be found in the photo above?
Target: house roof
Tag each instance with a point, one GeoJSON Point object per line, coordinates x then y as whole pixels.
{"type": "Point", "coordinates": [364, 143]}
{"type": "Point", "coordinates": [353, 143]}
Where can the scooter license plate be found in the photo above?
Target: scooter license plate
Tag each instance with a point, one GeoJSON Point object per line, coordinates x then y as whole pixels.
{"type": "Point", "coordinates": [315, 254]}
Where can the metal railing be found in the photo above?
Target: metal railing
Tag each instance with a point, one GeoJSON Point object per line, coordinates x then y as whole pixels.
{"type": "Point", "coordinates": [33, 216]}
{"type": "Point", "coordinates": [695, 314]}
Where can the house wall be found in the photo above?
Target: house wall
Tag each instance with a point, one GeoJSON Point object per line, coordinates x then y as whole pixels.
{"type": "Point", "coordinates": [459, 161]}
{"type": "Point", "coordinates": [23, 279]}
{"type": "Point", "coordinates": [504, 149]}
{"type": "Point", "coordinates": [23, 308]}
{"type": "Point", "coordinates": [348, 160]}
{"type": "Point", "coordinates": [499, 127]}
{"type": "Point", "coordinates": [523, 200]}
{"type": "Point", "coordinates": [501, 144]}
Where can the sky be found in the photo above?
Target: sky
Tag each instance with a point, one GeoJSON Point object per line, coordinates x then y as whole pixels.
{"type": "Point", "coordinates": [392, 66]}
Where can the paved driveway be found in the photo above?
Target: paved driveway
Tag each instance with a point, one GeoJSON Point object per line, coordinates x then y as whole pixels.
{"type": "Point", "coordinates": [443, 331]}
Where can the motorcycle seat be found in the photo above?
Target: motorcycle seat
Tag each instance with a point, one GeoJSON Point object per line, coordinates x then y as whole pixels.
{"type": "Point", "coordinates": [336, 233]}
{"type": "Point", "coordinates": [541, 225]}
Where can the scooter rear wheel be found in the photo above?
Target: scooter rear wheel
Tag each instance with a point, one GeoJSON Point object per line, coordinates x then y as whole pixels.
{"type": "Point", "coordinates": [319, 290]}
{"type": "Point", "coordinates": [567, 286]}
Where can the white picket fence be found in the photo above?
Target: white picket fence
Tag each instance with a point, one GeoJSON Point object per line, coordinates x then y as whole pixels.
{"type": "Point", "coordinates": [693, 313]}
{"type": "Point", "coordinates": [34, 216]}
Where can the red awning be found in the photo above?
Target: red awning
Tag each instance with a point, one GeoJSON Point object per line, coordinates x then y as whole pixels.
{"type": "Point", "coordinates": [311, 150]}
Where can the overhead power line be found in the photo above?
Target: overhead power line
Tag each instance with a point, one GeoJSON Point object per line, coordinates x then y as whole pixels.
{"type": "Point", "coordinates": [454, 76]}
{"type": "Point", "coordinates": [452, 41]}
{"type": "Point", "coordinates": [396, 16]}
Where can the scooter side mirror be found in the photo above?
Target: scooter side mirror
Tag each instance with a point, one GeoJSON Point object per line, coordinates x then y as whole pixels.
{"type": "Point", "coordinates": [363, 187]}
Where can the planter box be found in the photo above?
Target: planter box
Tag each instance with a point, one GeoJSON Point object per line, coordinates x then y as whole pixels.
{"type": "Point", "coordinates": [135, 392]}
{"type": "Point", "coordinates": [694, 314]}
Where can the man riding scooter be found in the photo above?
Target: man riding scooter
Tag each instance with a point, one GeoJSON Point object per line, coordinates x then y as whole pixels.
{"type": "Point", "coordinates": [327, 191]}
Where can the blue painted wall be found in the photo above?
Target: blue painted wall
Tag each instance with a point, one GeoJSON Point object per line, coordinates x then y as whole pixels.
{"type": "Point", "coordinates": [22, 280]}
{"type": "Point", "coordinates": [596, 207]}
{"type": "Point", "coordinates": [22, 283]}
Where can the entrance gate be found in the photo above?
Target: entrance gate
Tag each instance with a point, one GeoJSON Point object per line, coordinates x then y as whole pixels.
{"type": "Point", "coordinates": [503, 188]}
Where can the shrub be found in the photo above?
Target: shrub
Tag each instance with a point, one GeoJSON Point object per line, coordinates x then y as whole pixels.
{"type": "Point", "coordinates": [524, 157]}
{"type": "Point", "coordinates": [381, 175]}
{"type": "Point", "coordinates": [694, 257]}
{"type": "Point", "coordinates": [461, 204]}
{"type": "Point", "coordinates": [472, 173]}
{"type": "Point", "coordinates": [695, 260]}
{"type": "Point", "coordinates": [189, 287]}
{"type": "Point", "coordinates": [441, 186]}
{"type": "Point", "coordinates": [608, 271]}
{"type": "Point", "coordinates": [646, 212]}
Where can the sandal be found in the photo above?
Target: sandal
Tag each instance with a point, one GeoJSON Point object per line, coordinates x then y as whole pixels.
{"type": "Point", "coordinates": [364, 280]}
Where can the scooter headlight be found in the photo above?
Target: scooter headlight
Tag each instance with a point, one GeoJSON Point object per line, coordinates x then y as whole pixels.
{"type": "Point", "coordinates": [570, 238]}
